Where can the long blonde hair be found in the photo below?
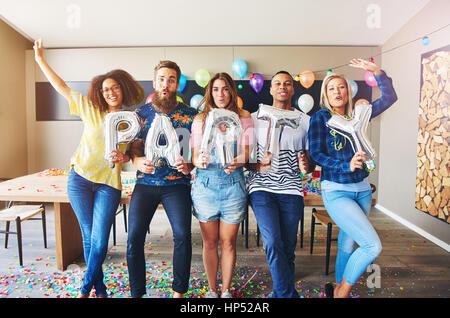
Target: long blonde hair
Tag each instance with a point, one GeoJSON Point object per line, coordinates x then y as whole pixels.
{"type": "Point", "coordinates": [324, 98]}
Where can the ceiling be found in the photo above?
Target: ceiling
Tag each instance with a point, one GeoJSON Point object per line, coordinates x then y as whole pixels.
{"type": "Point", "coordinates": [131, 23]}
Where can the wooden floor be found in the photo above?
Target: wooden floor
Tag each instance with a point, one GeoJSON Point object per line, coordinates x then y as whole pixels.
{"type": "Point", "coordinates": [410, 265]}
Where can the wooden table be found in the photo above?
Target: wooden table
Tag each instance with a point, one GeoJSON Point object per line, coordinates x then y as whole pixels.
{"type": "Point", "coordinates": [50, 189]}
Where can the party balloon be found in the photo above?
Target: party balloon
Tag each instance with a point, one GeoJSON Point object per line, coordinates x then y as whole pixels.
{"type": "Point", "coordinates": [307, 78]}
{"type": "Point", "coordinates": [257, 82]}
{"type": "Point", "coordinates": [353, 87]}
{"type": "Point", "coordinates": [149, 98]}
{"type": "Point", "coordinates": [202, 77]}
{"type": "Point", "coordinates": [354, 129]}
{"type": "Point", "coordinates": [278, 119]}
{"type": "Point", "coordinates": [361, 101]}
{"type": "Point", "coordinates": [370, 79]}
{"type": "Point", "coordinates": [240, 103]}
{"type": "Point", "coordinates": [222, 141]}
{"type": "Point", "coordinates": [239, 68]}
{"type": "Point", "coordinates": [305, 103]}
{"type": "Point", "coordinates": [114, 135]}
{"type": "Point", "coordinates": [161, 124]}
{"type": "Point", "coordinates": [195, 100]}
{"type": "Point", "coordinates": [180, 99]}
{"type": "Point", "coordinates": [183, 81]}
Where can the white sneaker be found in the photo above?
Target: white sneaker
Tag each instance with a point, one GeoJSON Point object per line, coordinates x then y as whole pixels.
{"type": "Point", "coordinates": [226, 294]}
{"type": "Point", "coordinates": [211, 294]}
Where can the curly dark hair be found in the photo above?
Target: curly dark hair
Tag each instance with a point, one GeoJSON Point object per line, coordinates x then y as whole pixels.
{"type": "Point", "coordinates": [132, 91]}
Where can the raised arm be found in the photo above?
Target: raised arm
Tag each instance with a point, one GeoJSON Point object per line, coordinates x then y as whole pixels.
{"type": "Point", "coordinates": [56, 81]}
{"type": "Point", "coordinates": [388, 95]}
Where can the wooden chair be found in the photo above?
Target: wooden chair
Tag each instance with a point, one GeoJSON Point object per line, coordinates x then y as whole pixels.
{"type": "Point", "coordinates": [324, 219]}
{"type": "Point", "coordinates": [19, 214]}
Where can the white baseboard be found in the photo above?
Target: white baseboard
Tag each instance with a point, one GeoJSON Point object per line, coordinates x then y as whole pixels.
{"type": "Point", "coordinates": [415, 228]}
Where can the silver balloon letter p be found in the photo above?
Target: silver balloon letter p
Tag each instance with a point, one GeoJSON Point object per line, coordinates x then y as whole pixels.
{"type": "Point", "coordinates": [153, 149]}
{"type": "Point", "coordinates": [115, 133]}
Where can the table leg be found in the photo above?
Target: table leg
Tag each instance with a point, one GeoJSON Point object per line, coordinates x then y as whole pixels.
{"type": "Point", "coordinates": [68, 238]}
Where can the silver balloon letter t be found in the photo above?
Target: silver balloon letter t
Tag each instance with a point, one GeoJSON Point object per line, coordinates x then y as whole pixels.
{"type": "Point", "coordinates": [354, 129]}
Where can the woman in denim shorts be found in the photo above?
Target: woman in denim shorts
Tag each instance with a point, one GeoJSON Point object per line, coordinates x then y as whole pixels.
{"type": "Point", "coordinates": [219, 194]}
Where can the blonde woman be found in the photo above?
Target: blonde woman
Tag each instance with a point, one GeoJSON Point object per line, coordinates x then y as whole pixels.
{"type": "Point", "coordinates": [346, 193]}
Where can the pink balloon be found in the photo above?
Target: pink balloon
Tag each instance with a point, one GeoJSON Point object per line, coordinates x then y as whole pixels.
{"type": "Point", "coordinates": [370, 79]}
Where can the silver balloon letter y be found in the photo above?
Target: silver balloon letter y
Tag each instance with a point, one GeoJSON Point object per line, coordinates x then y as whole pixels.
{"type": "Point", "coordinates": [354, 129]}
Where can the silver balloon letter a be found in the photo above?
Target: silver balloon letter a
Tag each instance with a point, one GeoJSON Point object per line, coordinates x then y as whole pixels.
{"type": "Point", "coordinates": [153, 150]}
{"type": "Point", "coordinates": [278, 118]}
{"type": "Point", "coordinates": [354, 130]}
{"type": "Point", "coordinates": [114, 135]}
{"type": "Point", "coordinates": [223, 141]}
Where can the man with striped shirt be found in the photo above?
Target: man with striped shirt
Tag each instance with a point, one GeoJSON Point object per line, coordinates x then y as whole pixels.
{"type": "Point", "coordinates": [275, 190]}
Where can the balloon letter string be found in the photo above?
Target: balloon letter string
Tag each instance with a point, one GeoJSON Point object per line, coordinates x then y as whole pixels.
{"type": "Point", "coordinates": [278, 118]}
{"type": "Point", "coordinates": [153, 149]}
{"type": "Point", "coordinates": [114, 134]}
{"type": "Point", "coordinates": [223, 140]}
{"type": "Point", "coordinates": [354, 130]}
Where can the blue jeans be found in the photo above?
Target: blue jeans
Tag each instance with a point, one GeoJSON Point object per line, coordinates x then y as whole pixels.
{"type": "Point", "coordinates": [176, 200]}
{"type": "Point", "coordinates": [95, 205]}
{"type": "Point", "coordinates": [278, 216]}
{"type": "Point", "coordinates": [350, 211]}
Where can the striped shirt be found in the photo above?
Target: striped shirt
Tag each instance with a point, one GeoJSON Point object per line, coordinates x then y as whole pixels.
{"type": "Point", "coordinates": [334, 152]}
{"type": "Point", "coordinates": [283, 176]}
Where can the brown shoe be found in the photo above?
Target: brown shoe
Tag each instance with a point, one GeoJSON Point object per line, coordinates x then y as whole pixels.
{"type": "Point", "coordinates": [80, 295]}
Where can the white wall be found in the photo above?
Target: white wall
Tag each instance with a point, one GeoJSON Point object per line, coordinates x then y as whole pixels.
{"type": "Point", "coordinates": [399, 125]}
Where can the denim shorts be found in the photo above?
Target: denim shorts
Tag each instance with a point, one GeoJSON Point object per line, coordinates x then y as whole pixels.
{"type": "Point", "coordinates": [218, 196]}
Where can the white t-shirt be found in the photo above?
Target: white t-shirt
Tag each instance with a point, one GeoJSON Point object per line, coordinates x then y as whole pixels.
{"type": "Point", "coordinates": [283, 176]}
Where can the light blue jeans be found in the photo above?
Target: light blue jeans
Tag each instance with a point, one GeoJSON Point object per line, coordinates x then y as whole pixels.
{"type": "Point", "coordinates": [95, 206]}
{"type": "Point", "coordinates": [350, 211]}
{"type": "Point", "coordinates": [219, 196]}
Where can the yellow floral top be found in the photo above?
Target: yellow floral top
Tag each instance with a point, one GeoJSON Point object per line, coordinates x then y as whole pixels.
{"type": "Point", "coordinates": [89, 158]}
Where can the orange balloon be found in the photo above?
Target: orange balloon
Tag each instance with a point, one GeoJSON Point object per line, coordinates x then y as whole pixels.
{"type": "Point", "coordinates": [362, 101]}
{"type": "Point", "coordinates": [307, 78]}
{"type": "Point", "coordinates": [240, 103]}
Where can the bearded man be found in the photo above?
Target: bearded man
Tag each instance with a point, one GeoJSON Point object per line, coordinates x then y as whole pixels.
{"type": "Point", "coordinates": [158, 182]}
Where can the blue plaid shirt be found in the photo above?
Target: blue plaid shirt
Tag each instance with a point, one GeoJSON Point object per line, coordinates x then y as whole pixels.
{"type": "Point", "coordinates": [332, 151]}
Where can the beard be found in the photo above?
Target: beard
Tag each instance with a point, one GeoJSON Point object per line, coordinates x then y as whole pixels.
{"type": "Point", "coordinates": [165, 104]}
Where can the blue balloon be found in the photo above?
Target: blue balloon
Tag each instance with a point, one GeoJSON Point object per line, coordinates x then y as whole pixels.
{"type": "Point", "coordinates": [183, 81]}
{"type": "Point", "coordinates": [354, 87]}
{"type": "Point", "coordinates": [195, 100]}
{"type": "Point", "coordinates": [239, 68]}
